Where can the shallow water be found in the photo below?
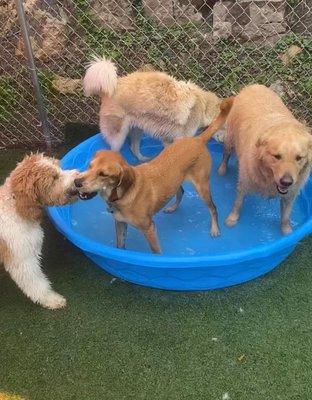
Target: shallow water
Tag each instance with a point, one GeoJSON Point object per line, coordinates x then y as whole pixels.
{"type": "Point", "coordinates": [186, 232]}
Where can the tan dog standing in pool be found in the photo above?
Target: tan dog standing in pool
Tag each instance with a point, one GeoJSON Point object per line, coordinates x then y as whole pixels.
{"type": "Point", "coordinates": [147, 100]}
{"type": "Point", "coordinates": [273, 148]}
{"type": "Point", "coordinates": [135, 194]}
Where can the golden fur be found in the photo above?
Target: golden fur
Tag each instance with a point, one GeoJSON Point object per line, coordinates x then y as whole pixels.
{"type": "Point", "coordinates": [147, 100]}
{"type": "Point", "coordinates": [137, 193]}
{"type": "Point", "coordinates": [274, 149]}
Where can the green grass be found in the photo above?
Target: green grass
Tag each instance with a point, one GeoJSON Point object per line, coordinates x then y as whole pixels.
{"type": "Point", "coordinates": [8, 97]}
{"type": "Point", "coordinates": [119, 341]}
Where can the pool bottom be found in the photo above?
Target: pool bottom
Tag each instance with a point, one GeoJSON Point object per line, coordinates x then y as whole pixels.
{"type": "Point", "coordinates": [186, 232]}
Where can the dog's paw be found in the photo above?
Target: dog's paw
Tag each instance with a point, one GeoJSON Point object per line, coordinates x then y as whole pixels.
{"type": "Point", "coordinates": [143, 159]}
{"type": "Point", "coordinates": [222, 169]}
{"type": "Point", "coordinates": [53, 301]}
{"type": "Point", "coordinates": [286, 229]}
{"type": "Point", "coordinates": [214, 232]}
{"type": "Point", "coordinates": [170, 209]}
{"type": "Point", "coordinates": [231, 220]}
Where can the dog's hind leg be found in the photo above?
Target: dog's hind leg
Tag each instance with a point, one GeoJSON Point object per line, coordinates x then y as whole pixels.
{"type": "Point", "coordinates": [150, 234]}
{"type": "Point", "coordinates": [286, 206]}
{"type": "Point", "coordinates": [115, 130]}
{"type": "Point", "coordinates": [135, 140]}
{"type": "Point", "coordinates": [225, 159]}
{"type": "Point", "coordinates": [234, 215]}
{"type": "Point", "coordinates": [174, 206]}
{"type": "Point", "coordinates": [121, 233]}
{"type": "Point", "coordinates": [203, 188]}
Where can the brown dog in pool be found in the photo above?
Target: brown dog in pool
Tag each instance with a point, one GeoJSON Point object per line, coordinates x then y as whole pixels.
{"type": "Point", "coordinates": [135, 194]}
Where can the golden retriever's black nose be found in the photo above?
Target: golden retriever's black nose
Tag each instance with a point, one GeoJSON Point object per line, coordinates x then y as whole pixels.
{"type": "Point", "coordinates": [286, 180]}
{"type": "Point", "coordinates": [78, 182]}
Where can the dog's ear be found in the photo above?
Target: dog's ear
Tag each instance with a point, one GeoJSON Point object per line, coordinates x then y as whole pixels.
{"type": "Point", "coordinates": [116, 173]}
{"type": "Point", "coordinates": [123, 178]}
{"type": "Point", "coordinates": [23, 187]}
{"type": "Point", "coordinates": [123, 175]}
{"type": "Point", "coordinates": [261, 146]}
{"type": "Point", "coordinates": [261, 142]}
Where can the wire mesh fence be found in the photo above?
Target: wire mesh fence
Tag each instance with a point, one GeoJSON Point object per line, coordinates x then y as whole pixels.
{"type": "Point", "coordinates": [220, 45]}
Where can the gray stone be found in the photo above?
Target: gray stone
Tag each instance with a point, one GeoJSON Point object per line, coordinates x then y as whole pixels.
{"type": "Point", "coordinates": [300, 17]}
{"type": "Point", "coordinates": [50, 36]}
{"type": "Point", "coordinates": [267, 13]}
{"type": "Point", "coordinates": [116, 15]}
{"type": "Point", "coordinates": [222, 30]}
{"type": "Point", "coordinates": [170, 12]}
{"type": "Point", "coordinates": [249, 19]}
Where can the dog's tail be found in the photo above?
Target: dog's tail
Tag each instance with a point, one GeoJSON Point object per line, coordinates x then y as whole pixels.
{"type": "Point", "coordinates": [219, 120]}
{"type": "Point", "coordinates": [100, 78]}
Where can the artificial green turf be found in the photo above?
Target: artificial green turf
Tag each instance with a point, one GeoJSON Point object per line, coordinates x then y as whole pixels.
{"type": "Point", "coordinates": [117, 341]}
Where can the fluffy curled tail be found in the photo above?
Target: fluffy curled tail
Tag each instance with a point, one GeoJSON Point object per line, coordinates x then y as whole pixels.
{"type": "Point", "coordinates": [216, 124]}
{"type": "Point", "coordinates": [100, 78]}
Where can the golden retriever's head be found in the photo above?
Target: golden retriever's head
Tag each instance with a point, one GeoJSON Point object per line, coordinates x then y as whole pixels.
{"type": "Point", "coordinates": [39, 181]}
{"type": "Point", "coordinates": [107, 171]}
{"type": "Point", "coordinates": [286, 153]}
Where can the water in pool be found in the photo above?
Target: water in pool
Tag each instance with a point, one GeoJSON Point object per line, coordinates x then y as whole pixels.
{"type": "Point", "coordinates": [186, 232]}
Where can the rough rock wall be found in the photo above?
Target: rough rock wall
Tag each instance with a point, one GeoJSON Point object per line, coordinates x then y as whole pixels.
{"type": "Point", "coordinates": [249, 19]}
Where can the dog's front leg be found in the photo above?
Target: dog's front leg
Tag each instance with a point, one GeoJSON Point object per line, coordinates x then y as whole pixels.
{"type": "Point", "coordinates": [28, 276]}
{"type": "Point", "coordinates": [286, 207]}
{"type": "Point", "coordinates": [150, 234]}
{"type": "Point", "coordinates": [121, 233]}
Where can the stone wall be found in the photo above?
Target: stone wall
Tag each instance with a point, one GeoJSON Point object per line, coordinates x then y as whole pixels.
{"type": "Point", "coordinates": [300, 17]}
{"type": "Point", "coordinates": [169, 12]}
{"type": "Point", "coordinates": [249, 19]}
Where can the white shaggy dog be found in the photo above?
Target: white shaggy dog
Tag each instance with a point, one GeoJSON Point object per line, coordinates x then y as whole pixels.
{"type": "Point", "coordinates": [36, 182]}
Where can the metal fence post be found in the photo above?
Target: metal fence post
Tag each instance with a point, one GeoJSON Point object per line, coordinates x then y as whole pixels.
{"type": "Point", "coordinates": [34, 77]}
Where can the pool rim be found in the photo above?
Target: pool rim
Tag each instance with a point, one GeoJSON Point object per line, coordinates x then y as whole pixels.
{"type": "Point", "coordinates": [160, 260]}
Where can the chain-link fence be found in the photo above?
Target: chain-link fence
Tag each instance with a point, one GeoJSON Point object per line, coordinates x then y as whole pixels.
{"type": "Point", "coordinates": [220, 45]}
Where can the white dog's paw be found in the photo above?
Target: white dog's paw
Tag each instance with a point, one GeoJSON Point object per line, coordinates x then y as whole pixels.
{"type": "Point", "coordinates": [231, 220]}
{"type": "Point", "coordinates": [53, 301]}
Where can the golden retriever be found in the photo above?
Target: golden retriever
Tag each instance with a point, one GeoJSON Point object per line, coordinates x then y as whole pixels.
{"type": "Point", "coordinates": [273, 148]}
{"type": "Point", "coordinates": [135, 194]}
{"type": "Point", "coordinates": [147, 100]}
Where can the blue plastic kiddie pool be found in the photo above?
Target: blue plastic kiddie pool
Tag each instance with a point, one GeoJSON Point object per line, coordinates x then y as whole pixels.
{"type": "Point", "coordinates": [191, 259]}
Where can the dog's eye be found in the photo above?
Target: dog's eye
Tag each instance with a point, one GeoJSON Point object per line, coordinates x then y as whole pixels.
{"type": "Point", "coordinates": [277, 156]}
{"type": "Point", "coordinates": [55, 177]}
{"type": "Point", "coordinates": [299, 158]}
{"type": "Point", "coordinates": [102, 174]}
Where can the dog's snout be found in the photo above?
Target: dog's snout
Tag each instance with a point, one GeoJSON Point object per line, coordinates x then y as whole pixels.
{"type": "Point", "coordinates": [286, 180]}
{"type": "Point", "coordinates": [78, 182]}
